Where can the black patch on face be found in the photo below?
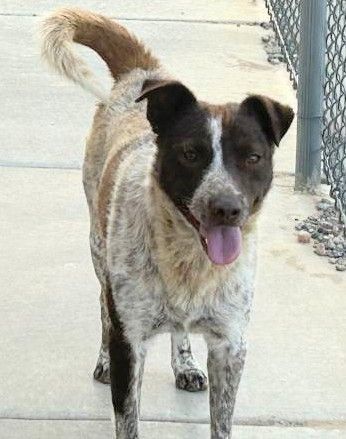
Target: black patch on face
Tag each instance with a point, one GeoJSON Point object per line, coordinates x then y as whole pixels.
{"type": "Point", "coordinates": [185, 146]}
{"type": "Point", "coordinates": [243, 142]}
{"type": "Point", "coordinates": [248, 142]}
{"type": "Point", "coordinates": [184, 154]}
{"type": "Point", "coordinates": [184, 143]}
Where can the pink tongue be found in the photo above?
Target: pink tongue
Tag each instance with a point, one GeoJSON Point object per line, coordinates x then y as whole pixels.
{"type": "Point", "coordinates": [224, 244]}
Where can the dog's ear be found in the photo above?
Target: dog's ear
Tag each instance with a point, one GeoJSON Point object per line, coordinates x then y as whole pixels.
{"type": "Point", "coordinates": [273, 117]}
{"type": "Point", "coordinates": [166, 99]}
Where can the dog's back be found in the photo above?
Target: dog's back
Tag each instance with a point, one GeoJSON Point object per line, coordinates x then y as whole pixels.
{"type": "Point", "coordinates": [119, 121]}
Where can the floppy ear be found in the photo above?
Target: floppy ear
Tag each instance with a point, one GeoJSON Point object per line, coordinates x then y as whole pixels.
{"type": "Point", "coordinates": [274, 118]}
{"type": "Point", "coordinates": [166, 99]}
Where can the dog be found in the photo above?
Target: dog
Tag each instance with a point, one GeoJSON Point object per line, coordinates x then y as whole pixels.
{"type": "Point", "coordinates": [174, 188]}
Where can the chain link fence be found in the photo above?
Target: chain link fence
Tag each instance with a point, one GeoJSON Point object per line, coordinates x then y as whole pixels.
{"type": "Point", "coordinates": [286, 17]}
{"type": "Point", "coordinates": [334, 133]}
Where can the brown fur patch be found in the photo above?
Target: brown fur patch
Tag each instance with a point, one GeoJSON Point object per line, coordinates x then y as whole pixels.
{"type": "Point", "coordinates": [226, 112]}
{"type": "Point", "coordinates": [121, 50]}
{"type": "Point", "coordinates": [106, 186]}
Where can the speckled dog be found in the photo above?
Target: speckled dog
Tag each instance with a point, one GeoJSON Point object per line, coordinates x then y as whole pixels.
{"type": "Point", "coordinates": [174, 186]}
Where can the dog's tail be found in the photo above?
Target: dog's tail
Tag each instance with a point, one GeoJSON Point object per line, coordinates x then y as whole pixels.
{"type": "Point", "coordinates": [121, 51]}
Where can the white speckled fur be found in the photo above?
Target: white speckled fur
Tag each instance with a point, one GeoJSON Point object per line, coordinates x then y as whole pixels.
{"type": "Point", "coordinates": [159, 273]}
{"type": "Point", "coordinates": [170, 278]}
{"type": "Point", "coordinates": [150, 258]}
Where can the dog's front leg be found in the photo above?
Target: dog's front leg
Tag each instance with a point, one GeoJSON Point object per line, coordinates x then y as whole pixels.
{"type": "Point", "coordinates": [225, 366]}
{"type": "Point", "coordinates": [188, 375]}
{"type": "Point", "coordinates": [126, 369]}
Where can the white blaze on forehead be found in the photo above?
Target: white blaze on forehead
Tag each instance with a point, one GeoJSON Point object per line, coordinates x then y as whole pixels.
{"type": "Point", "coordinates": [215, 127]}
{"type": "Point", "coordinates": [217, 170]}
{"type": "Point", "coordinates": [216, 179]}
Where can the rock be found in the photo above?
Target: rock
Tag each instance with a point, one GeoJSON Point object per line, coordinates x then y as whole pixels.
{"type": "Point", "coordinates": [298, 226]}
{"type": "Point", "coordinates": [330, 245]}
{"type": "Point", "coordinates": [304, 237]}
{"type": "Point", "coordinates": [320, 249]}
{"type": "Point", "coordinates": [266, 38]}
{"type": "Point", "coordinates": [266, 25]}
{"type": "Point", "coordinates": [327, 225]}
{"type": "Point", "coordinates": [340, 267]}
{"type": "Point", "coordinates": [322, 206]}
{"type": "Point", "coordinates": [337, 254]}
{"type": "Point", "coordinates": [273, 60]}
{"type": "Point", "coordinates": [336, 230]}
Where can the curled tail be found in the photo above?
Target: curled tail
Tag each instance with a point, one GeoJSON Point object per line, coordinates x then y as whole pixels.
{"type": "Point", "coordinates": [121, 51]}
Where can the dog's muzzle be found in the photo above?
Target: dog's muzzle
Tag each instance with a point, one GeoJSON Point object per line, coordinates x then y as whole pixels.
{"type": "Point", "coordinates": [219, 227]}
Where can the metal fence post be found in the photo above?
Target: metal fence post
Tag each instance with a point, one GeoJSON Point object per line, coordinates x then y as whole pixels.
{"type": "Point", "coordinates": [311, 76]}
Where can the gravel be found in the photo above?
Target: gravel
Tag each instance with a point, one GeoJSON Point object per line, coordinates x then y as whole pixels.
{"type": "Point", "coordinates": [271, 46]}
{"type": "Point", "coordinates": [328, 235]}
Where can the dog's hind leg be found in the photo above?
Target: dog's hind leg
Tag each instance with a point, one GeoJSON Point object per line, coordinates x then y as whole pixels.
{"type": "Point", "coordinates": [101, 372]}
{"type": "Point", "coordinates": [188, 375]}
{"type": "Point", "coordinates": [126, 371]}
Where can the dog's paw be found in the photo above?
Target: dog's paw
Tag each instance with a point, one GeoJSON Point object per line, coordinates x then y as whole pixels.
{"type": "Point", "coordinates": [192, 380]}
{"type": "Point", "coordinates": [101, 372]}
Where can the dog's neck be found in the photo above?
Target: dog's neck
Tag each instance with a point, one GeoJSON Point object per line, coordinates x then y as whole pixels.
{"type": "Point", "coordinates": [182, 261]}
{"type": "Point", "coordinates": [169, 222]}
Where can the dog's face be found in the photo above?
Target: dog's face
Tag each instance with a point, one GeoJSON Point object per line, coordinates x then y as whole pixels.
{"type": "Point", "coordinates": [214, 162]}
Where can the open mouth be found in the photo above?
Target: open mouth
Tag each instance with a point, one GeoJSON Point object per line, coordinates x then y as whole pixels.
{"type": "Point", "coordinates": [221, 243]}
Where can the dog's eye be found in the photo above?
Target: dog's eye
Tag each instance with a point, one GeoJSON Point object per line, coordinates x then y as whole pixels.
{"type": "Point", "coordinates": [252, 159]}
{"type": "Point", "coordinates": [190, 155]}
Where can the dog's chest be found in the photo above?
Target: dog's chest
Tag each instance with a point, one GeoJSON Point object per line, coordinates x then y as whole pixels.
{"type": "Point", "coordinates": [219, 300]}
{"type": "Point", "coordinates": [219, 319]}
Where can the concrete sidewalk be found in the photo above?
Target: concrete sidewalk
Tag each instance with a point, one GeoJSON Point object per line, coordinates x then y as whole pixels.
{"type": "Point", "coordinates": [293, 386]}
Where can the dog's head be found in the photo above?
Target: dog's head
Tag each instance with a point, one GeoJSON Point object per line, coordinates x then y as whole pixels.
{"type": "Point", "coordinates": [214, 162]}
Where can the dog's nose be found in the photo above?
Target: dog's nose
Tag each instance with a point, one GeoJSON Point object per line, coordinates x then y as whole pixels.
{"type": "Point", "coordinates": [225, 209]}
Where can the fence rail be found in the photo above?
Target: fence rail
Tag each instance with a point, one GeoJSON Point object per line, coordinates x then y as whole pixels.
{"type": "Point", "coordinates": [304, 44]}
